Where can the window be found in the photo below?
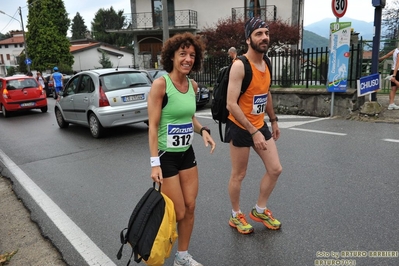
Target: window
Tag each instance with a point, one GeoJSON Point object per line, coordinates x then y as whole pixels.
{"type": "Point", "coordinates": [5, 45]}
{"type": "Point", "coordinates": [157, 12]}
{"type": "Point", "coordinates": [21, 45]}
{"type": "Point", "coordinates": [8, 57]}
{"type": "Point", "coordinates": [16, 45]}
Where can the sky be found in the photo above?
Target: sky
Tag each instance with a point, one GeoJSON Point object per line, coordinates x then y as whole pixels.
{"type": "Point", "coordinates": [315, 10]}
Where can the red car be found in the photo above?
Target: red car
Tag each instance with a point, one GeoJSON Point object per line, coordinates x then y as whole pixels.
{"type": "Point", "coordinates": [21, 93]}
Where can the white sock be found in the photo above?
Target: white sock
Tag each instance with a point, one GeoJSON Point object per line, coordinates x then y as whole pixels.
{"type": "Point", "coordinates": [182, 254]}
{"type": "Point", "coordinates": [259, 209]}
{"type": "Point", "coordinates": [234, 213]}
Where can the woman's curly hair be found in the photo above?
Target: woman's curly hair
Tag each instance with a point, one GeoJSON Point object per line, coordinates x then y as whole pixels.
{"type": "Point", "coordinates": [182, 40]}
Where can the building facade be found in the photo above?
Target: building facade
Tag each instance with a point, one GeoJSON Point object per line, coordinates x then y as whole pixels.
{"type": "Point", "coordinates": [145, 19]}
{"type": "Point", "coordinates": [10, 50]}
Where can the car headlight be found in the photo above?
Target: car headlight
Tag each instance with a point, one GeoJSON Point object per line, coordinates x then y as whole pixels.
{"type": "Point", "coordinates": [204, 90]}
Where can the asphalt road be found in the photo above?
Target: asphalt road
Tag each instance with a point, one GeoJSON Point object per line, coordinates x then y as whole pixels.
{"type": "Point", "coordinates": [338, 192]}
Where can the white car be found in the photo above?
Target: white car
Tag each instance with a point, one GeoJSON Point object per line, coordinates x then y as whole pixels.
{"type": "Point", "coordinates": [104, 98]}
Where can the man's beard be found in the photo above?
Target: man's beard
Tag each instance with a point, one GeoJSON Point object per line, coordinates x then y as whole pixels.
{"type": "Point", "coordinates": [257, 48]}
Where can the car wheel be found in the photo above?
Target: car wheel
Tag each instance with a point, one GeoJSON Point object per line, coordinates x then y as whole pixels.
{"type": "Point", "coordinates": [60, 119]}
{"type": "Point", "coordinates": [44, 109]}
{"type": "Point", "coordinates": [5, 112]}
{"type": "Point", "coordinates": [96, 129]}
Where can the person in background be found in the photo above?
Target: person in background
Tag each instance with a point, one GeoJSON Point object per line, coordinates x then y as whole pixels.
{"type": "Point", "coordinates": [394, 77]}
{"type": "Point", "coordinates": [40, 79]}
{"type": "Point", "coordinates": [57, 79]}
{"type": "Point", "coordinates": [232, 53]}
{"type": "Point", "coordinates": [246, 128]}
{"type": "Point", "coordinates": [172, 124]}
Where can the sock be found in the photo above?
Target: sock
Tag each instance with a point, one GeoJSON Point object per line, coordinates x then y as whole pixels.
{"type": "Point", "coordinates": [182, 254]}
{"type": "Point", "coordinates": [234, 213]}
{"type": "Point", "coordinates": [259, 209]}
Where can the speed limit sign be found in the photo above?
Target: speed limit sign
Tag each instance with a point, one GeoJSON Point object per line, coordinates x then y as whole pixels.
{"type": "Point", "coordinates": [339, 7]}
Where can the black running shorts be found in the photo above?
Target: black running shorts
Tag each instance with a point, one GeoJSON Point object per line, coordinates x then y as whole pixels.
{"type": "Point", "coordinates": [173, 162]}
{"type": "Point", "coordinates": [397, 77]}
{"type": "Point", "coordinates": [241, 137]}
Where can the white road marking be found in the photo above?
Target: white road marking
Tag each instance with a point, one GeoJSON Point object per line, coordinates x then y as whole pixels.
{"type": "Point", "coordinates": [90, 252]}
{"type": "Point", "coordinates": [320, 131]}
{"type": "Point", "coordinates": [391, 140]}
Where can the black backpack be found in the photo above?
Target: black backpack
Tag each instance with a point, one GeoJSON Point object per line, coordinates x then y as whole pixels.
{"type": "Point", "coordinates": [219, 99]}
{"type": "Point", "coordinates": [151, 230]}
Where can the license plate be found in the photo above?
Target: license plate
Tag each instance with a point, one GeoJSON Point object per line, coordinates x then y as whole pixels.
{"type": "Point", "coordinates": [132, 98]}
{"type": "Point", "coordinates": [27, 104]}
{"type": "Point", "coordinates": [204, 96]}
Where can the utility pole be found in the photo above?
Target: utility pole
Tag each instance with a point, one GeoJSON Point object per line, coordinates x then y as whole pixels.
{"type": "Point", "coordinates": [165, 19]}
{"type": "Point", "coordinates": [23, 34]}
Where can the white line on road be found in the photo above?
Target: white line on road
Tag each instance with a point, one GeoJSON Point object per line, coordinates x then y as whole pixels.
{"type": "Point", "coordinates": [391, 140]}
{"type": "Point", "coordinates": [90, 252]}
{"type": "Point", "coordinates": [319, 131]}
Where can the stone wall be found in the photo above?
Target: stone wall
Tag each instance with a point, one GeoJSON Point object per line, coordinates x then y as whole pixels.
{"type": "Point", "coordinates": [315, 102]}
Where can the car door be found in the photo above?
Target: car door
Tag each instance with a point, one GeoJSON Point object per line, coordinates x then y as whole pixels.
{"type": "Point", "coordinates": [68, 98]}
{"type": "Point", "coordinates": [82, 97]}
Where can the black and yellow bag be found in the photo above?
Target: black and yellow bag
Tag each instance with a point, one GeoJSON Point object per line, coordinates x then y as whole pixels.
{"type": "Point", "coordinates": [151, 230]}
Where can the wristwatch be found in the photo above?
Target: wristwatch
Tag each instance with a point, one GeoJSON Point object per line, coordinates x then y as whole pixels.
{"type": "Point", "coordinates": [271, 120]}
{"type": "Point", "coordinates": [206, 129]}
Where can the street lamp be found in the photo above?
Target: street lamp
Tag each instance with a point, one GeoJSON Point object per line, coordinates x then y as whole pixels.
{"type": "Point", "coordinates": [23, 33]}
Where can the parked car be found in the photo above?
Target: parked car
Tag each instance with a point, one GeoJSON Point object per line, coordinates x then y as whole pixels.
{"type": "Point", "coordinates": [21, 93]}
{"type": "Point", "coordinates": [104, 98]}
{"type": "Point", "coordinates": [202, 94]}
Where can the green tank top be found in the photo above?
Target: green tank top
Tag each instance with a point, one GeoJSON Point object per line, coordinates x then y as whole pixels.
{"type": "Point", "coordinates": [176, 129]}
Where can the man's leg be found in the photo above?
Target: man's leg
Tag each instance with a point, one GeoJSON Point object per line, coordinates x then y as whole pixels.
{"type": "Point", "coordinates": [239, 162]}
{"type": "Point", "coordinates": [271, 160]}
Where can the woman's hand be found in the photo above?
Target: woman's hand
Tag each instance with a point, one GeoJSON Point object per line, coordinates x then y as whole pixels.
{"type": "Point", "coordinates": [156, 174]}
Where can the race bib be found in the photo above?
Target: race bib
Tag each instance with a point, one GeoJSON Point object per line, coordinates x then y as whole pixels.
{"type": "Point", "coordinates": [259, 104]}
{"type": "Point", "coordinates": [179, 136]}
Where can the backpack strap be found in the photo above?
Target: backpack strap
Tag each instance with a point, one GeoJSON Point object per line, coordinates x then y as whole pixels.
{"type": "Point", "coordinates": [248, 74]}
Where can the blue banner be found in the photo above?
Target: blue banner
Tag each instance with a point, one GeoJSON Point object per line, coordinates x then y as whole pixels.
{"type": "Point", "coordinates": [340, 33]}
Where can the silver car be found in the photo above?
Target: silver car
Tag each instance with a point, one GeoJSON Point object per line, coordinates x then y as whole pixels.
{"type": "Point", "coordinates": [104, 98]}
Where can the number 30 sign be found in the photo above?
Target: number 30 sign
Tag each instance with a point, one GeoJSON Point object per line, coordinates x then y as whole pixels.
{"type": "Point", "coordinates": [339, 7]}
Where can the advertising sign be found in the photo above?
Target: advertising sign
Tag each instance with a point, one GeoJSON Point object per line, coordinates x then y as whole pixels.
{"type": "Point", "coordinates": [340, 33]}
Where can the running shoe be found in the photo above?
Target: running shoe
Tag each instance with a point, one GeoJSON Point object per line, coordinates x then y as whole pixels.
{"type": "Point", "coordinates": [240, 223]}
{"type": "Point", "coordinates": [185, 261]}
{"type": "Point", "coordinates": [266, 218]}
{"type": "Point", "coordinates": [393, 106]}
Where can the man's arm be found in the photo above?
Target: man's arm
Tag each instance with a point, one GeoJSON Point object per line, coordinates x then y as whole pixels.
{"type": "Point", "coordinates": [272, 116]}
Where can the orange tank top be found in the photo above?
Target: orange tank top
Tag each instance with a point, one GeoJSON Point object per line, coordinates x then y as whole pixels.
{"type": "Point", "coordinates": [253, 102]}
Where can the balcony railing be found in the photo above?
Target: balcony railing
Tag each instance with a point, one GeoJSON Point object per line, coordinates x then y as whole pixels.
{"type": "Point", "coordinates": [267, 13]}
{"type": "Point", "coordinates": [176, 19]}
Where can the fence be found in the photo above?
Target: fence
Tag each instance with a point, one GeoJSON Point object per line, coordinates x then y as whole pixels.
{"type": "Point", "coordinates": [297, 68]}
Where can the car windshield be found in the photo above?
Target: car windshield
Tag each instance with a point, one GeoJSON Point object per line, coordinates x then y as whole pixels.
{"type": "Point", "coordinates": [18, 84]}
{"type": "Point", "coordinates": [116, 81]}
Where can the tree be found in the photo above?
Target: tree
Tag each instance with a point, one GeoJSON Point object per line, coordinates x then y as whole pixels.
{"type": "Point", "coordinates": [227, 33]}
{"type": "Point", "coordinates": [109, 19]}
{"type": "Point", "coordinates": [104, 60]}
{"type": "Point", "coordinates": [47, 41]}
{"type": "Point", "coordinates": [79, 28]}
{"type": "Point", "coordinates": [5, 36]}
{"type": "Point", "coordinates": [390, 20]}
